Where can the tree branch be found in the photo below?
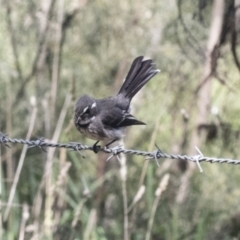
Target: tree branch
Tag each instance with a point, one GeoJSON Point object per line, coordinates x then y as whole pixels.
{"type": "Point", "coordinates": [13, 42]}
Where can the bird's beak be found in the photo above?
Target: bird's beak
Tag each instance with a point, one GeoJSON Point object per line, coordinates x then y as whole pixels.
{"type": "Point", "coordinates": [82, 121]}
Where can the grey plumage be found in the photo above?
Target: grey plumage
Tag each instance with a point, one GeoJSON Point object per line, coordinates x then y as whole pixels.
{"type": "Point", "coordinates": [107, 118]}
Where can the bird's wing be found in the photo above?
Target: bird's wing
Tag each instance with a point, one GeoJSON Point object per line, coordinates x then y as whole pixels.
{"type": "Point", "coordinates": [116, 117]}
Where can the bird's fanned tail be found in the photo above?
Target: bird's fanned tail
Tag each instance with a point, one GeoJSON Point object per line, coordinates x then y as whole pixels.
{"type": "Point", "coordinates": [139, 74]}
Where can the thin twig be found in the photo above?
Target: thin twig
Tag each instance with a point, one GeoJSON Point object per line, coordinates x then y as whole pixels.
{"type": "Point", "coordinates": [39, 50]}
{"type": "Point", "coordinates": [13, 41]}
{"type": "Point", "coordinates": [60, 186]}
{"type": "Point", "coordinates": [48, 221]}
{"type": "Point", "coordinates": [137, 197]}
{"type": "Point", "coordinates": [162, 187]}
{"type": "Point", "coordinates": [233, 47]}
{"type": "Point", "coordinates": [56, 56]}
{"type": "Point", "coordinates": [1, 204]}
{"type": "Point", "coordinates": [144, 170]}
{"type": "Point", "coordinates": [90, 225]}
{"type": "Point", "coordinates": [9, 123]}
{"type": "Point", "coordinates": [191, 39]}
{"type": "Point", "coordinates": [20, 164]}
{"type": "Point", "coordinates": [123, 177]}
{"type": "Point", "coordinates": [25, 217]}
{"type": "Point", "coordinates": [78, 212]}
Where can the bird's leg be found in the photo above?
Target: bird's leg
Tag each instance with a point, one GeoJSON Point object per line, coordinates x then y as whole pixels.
{"type": "Point", "coordinates": [114, 140]}
{"type": "Point", "coordinates": [96, 147]}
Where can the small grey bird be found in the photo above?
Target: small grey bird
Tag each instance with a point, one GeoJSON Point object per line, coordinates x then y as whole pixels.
{"type": "Point", "coordinates": [106, 119]}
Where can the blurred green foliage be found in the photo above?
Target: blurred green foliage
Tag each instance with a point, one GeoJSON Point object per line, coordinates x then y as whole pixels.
{"type": "Point", "coordinates": [86, 47]}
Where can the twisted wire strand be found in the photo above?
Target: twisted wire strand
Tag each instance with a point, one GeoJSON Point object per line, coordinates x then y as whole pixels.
{"type": "Point", "coordinates": [75, 146]}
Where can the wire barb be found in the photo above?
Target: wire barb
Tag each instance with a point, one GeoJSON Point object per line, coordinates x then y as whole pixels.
{"type": "Point", "coordinates": [115, 152]}
{"type": "Point", "coordinates": [3, 139]}
{"type": "Point", "coordinates": [198, 157]}
{"type": "Point", "coordinates": [77, 147]}
{"type": "Point", "coordinates": [38, 143]}
{"type": "Point", "coordinates": [157, 154]}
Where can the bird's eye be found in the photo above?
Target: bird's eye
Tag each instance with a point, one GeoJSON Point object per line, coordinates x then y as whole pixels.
{"type": "Point", "coordinates": [86, 110]}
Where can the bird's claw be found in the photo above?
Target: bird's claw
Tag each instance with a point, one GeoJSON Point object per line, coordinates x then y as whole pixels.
{"type": "Point", "coordinates": [96, 147]}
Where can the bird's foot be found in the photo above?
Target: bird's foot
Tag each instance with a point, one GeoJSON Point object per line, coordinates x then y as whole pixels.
{"type": "Point", "coordinates": [96, 147]}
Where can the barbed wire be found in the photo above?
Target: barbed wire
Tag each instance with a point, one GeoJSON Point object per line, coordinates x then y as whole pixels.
{"type": "Point", "coordinates": [115, 151]}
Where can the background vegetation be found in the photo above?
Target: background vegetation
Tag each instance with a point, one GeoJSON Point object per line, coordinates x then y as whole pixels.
{"type": "Point", "coordinates": [53, 51]}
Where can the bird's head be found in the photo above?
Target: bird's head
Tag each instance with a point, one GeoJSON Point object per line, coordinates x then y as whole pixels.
{"type": "Point", "coordinates": [85, 110]}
